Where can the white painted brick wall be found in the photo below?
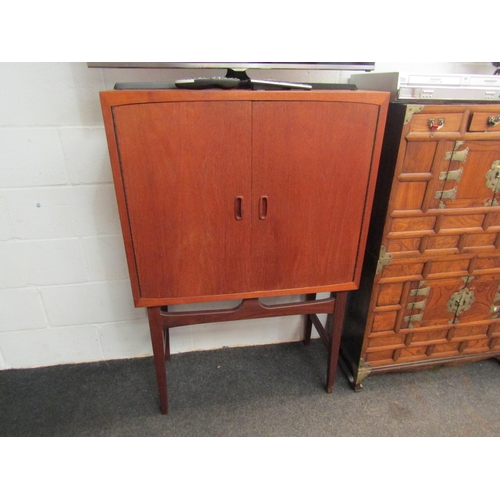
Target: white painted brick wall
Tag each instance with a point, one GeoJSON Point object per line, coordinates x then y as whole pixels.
{"type": "Point", "coordinates": [21, 309]}
{"type": "Point", "coordinates": [51, 346]}
{"type": "Point", "coordinates": [86, 154]}
{"type": "Point", "coordinates": [31, 157]}
{"type": "Point", "coordinates": [5, 227]}
{"type": "Point", "coordinates": [125, 339]}
{"type": "Point", "coordinates": [63, 211]}
{"type": "Point", "coordinates": [43, 262]}
{"type": "Point", "coordinates": [101, 302]}
{"type": "Point", "coordinates": [105, 258]}
{"type": "Point", "coordinates": [64, 289]}
{"type": "Point", "coordinates": [49, 95]}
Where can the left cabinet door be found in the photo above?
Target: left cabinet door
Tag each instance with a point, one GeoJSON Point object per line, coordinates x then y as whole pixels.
{"type": "Point", "coordinates": [186, 173]}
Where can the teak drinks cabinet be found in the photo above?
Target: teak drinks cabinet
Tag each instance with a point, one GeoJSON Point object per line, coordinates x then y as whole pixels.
{"type": "Point", "coordinates": [242, 195]}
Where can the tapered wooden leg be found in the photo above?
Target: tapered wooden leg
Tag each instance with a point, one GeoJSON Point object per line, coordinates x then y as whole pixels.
{"type": "Point", "coordinates": [336, 322]}
{"type": "Point", "coordinates": [160, 320]}
{"type": "Point", "coordinates": [159, 353]}
{"type": "Point", "coordinates": [308, 322]}
{"type": "Point", "coordinates": [166, 338]}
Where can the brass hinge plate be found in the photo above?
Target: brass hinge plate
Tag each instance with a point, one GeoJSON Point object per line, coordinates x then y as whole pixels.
{"type": "Point", "coordinates": [384, 259]}
{"type": "Point", "coordinates": [414, 317]}
{"type": "Point", "coordinates": [450, 194]}
{"type": "Point", "coordinates": [452, 175]}
{"type": "Point", "coordinates": [460, 156]}
{"type": "Point", "coordinates": [420, 291]}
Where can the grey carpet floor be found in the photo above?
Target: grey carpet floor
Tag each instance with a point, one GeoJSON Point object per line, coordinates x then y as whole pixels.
{"type": "Point", "coordinates": [275, 390]}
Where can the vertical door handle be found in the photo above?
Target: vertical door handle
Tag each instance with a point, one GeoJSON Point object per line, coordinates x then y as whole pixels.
{"type": "Point", "coordinates": [263, 208]}
{"type": "Point", "coordinates": [238, 208]}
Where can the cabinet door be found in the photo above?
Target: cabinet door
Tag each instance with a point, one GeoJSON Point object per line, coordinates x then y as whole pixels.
{"type": "Point", "coordinates": [415, 186]}
{"type": "Point", "coordinates": [186, 172]}
{"type": "Point", "coordinates": [452, 301]}
{"type": "Point", "coordinates": [435, 302]}
{"type": "Point", "coordinates": [474, 176]}
{"type": "Point", "coordinates": [311, 168]}
{"type": "Point", "coordinates": [481, 302]}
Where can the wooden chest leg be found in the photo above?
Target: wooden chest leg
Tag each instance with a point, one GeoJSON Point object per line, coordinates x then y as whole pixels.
{"type": "Point", "coordinates": [160, 352]}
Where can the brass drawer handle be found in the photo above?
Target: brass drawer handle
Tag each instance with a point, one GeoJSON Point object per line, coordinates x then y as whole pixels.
{"type": "Point", "coordinates": [493, 120]}
{"type": "Point", "coordinates": [435, 125]}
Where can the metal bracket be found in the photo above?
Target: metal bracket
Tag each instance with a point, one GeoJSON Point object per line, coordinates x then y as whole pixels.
{"type": "Point", "coordinates": [461, 301]}
{"type": "Point", "coordinates": [453, 175]}
{"type": "Point", "coordinates": [410, 111]}
{"type": "Point", "coordinates": [363, 371]}
{"type": "Point", "coordinates": [420, 291]}
{"type": "Point", "coordinates": [492, 176]}
{"type": "Point", "coordinates": [450, 194]}
{"type": "Point", "coordinates": [384, 259]}
{"type": "Point", "coordinates": [493, 120]}
{"type": "Point", "coordinates": [419, 305]}
{"type": "Point", "coordinates": [495, 310]}
{"type": "Point", "coordinates": [412, 318]}
{"type": "Point", "coordinates": [460, 156]}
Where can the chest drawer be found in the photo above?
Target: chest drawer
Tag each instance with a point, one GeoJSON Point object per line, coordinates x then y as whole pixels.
{"type": "Point", "coordinates": [485, 122]}
{"type": "Point", "coordinates": [436, 122]}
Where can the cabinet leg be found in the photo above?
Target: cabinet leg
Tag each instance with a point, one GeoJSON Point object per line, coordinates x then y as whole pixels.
{"type": "Point", "coordinates": [308, 322]}
{"type": "Point", "coordinates": [166, 337]}
{"type": "Point", "coordinates": [335, 324]}
{"type": "Point", "coordinates": [161, 352]}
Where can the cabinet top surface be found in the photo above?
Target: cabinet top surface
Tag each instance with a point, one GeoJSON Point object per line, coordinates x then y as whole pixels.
{"type": "Point", "coordinates": [123, 97]}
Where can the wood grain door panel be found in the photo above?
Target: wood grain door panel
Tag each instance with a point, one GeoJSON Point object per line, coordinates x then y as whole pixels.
{"type": "Point", "coordinates": [478, 185]}
{"type": "Point", "coordinates": [184, 167]}
{"type": "Point", "coordinates": [311, 161]}
{"type": "Point", "coordinates": [418, 183]}
{"type": "Point", "coordinates": [486, 299]}
{"type": "Point", "coordinates": [433, 303]}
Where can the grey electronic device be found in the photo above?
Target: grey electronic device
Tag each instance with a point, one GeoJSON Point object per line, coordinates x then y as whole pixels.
{"type": "Point", "coordinates": [440, 87]}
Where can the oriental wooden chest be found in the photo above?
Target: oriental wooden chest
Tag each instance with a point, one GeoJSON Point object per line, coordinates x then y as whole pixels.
{"type": "Point", "coordinates": [430, 286]}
